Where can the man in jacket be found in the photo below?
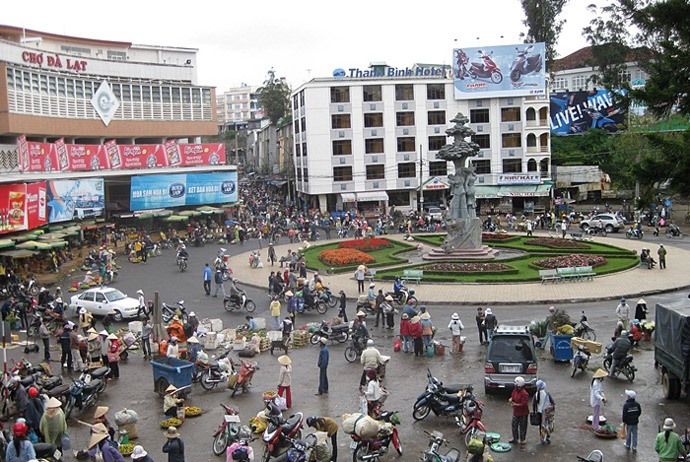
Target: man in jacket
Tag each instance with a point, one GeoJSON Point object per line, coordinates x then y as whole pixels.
{"type": "Point", "coordinates": [623, 312]}
{"type": "Point", "coordinates": [519, 399]}
{"type": "Point", "coordinates": [620, 351]}
{"type": "Point", "coordinates": [207, 279]}
{"type": "Point", "coordinates": [370, 359]}
{"type": "Point", "coordinates": [322, 364]}
{"type": "Point", "coordinates": [631, 416]}
{"type": "Point", "coordinates": [218, 278]}
{"type": "Point", "coordinates": [490, 322]}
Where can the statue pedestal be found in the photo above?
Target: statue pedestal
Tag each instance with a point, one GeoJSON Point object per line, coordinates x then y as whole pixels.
{"type": "Point", "coordinates": [464, 242]}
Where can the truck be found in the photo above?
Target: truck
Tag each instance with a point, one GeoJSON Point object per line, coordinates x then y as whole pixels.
{"type": "Point", "coordinates": [672, 347]}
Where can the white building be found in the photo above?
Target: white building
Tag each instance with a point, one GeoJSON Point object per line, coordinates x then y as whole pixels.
{"type": "Point", "coordinates": [237, 105]}
{"type": "Point", "coordinates": [360, 141]}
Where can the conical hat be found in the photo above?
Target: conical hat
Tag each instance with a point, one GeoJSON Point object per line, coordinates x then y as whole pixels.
{"type": "Point", "coordinates": [99, 433]}
{"type": "Point", "coordinates": [284, 360]}
{"type": "Point", "coordinates": [171, 389]}
{"type": "Point", "coordinates": [53, 403]}
{"type": "Point", "coordinates": [100, 411]}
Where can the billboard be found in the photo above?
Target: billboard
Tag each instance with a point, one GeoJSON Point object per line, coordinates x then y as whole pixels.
{"type": "Point", "coordinates": [574, 112]}
{"type": "Point", "coordinates": [75, 199]}
{"type": "Point", "coordinates": [159, 191]}
{"type": "Point", "coordinates": [503, 70]}
{"type": "Point", "coordinates": [22, 206]}
{"type": "Point", "coordinates": [36, 201]}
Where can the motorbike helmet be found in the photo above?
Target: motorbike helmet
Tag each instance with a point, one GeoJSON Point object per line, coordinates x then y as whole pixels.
{"type": "Point", "coordinates": [33, 392]}
{"type": "Point", "coordinates": [519, 382]}
{"type": "Point", "coordinates": [624, 333]}
{"type": "Point", "coordinates": [240, 454]}
{"type": "Point", "coordinates": [311, 421]}
{"type": "Point", "coordinates": [20, 429]}
{"type": "Point", "coordinates": [272, 409]}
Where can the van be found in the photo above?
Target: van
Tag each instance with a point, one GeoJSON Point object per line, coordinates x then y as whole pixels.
{"type": "Point", "coordinates": [511, 353]}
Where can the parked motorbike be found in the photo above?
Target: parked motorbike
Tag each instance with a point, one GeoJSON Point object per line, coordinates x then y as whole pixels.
{"type": "Point", "coordinates": [634, 232]}
{"type": "Point", "coordinates": [371, 449]}
{"type": "Point", "coordinates": [82, 395]}
{"type": "Point", "coordinates": [625, 367]}
{"type": "Point", "coordinates": [580, 359]}
{"type": "Point", "coordinates": [97, 373]}
{"type": "Point", "coordinates": [431, 454]}
{"type": "Point", "coordinates": [339, 333]}
{"type": "Point", "coordinates": [52, 323]}
{"type": "Point", "coordinates": [470, 422]}
{"type": "Point", "coordinates": [217, 372]}
{"type": "Point", "coordinates": [244, 378]}
{"type": "Point", "coordinates": [302, 450]}
{"type": "Point", "coordinates": [524, 64]}
{"type": "Point", "coordinates": [254, 259]}
{"type": "Point", "coordinates": [233, 303]}
{"type": "Point", "coordinates": [487, 69]}
{"type": "Point", "coordinates": [279, 432]}
{"type": "Point", "coordinates": [438, 399]}
{"type": "Point", "coordinates": [583, 330]}
{"type": "Point", "coordinates": [594, 456]}
{"type": "Point", "coordinates": [109, 276]}
{"type": "Point", "coordinates": [229, 431]}
{"type": "Point", "coordinates": [168, 311]}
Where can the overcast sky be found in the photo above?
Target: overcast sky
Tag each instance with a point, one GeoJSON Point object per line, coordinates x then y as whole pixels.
{"type": "Point", "coordinates": [239, 41]}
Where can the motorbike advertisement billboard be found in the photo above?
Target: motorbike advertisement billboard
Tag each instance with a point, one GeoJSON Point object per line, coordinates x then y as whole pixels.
{"type": "Point", "coordinates": [160, 191]}
{"type": "Point", "coordinates": [499, 71]}
{"type": "Point", "coordinates": [574, 112]}
{"type": "Point", "coordinates": [75, 199]}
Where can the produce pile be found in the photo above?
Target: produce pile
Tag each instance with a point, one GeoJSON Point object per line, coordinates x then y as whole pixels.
{"type": "Point", "coordinates": [192, 411]}
{"type": "Point", "coordinates": [126, 449]}
{"type": "Point", "coordinates": [171, 422]}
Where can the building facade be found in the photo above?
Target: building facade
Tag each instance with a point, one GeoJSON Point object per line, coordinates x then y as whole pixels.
{"type": "Point", "coordinates": [238, 105]}
{"type": "Point", "coordinates": [369, 142]}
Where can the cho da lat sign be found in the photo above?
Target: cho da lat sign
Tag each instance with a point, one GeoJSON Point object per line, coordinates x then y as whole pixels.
{"type": "Point", "coordinates": [54, 61]}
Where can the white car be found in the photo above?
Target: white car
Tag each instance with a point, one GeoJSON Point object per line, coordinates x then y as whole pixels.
{"type": "Point", "coordinates": [104, 300]}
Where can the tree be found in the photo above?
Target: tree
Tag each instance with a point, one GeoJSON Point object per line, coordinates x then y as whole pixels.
{"type": "Point", "coordinates": [543, 25]}
{"type": "Point", "coordinates": [275, 97]}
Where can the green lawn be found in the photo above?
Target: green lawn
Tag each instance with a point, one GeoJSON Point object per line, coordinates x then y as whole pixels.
{"type": "Point", "coordinates": [383, 257]}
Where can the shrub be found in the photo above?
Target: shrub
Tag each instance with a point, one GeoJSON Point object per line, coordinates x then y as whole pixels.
{"type": "Point", "coordinates": [368, 244]}
{"type": "Point", "coordinates": [557, 243]}
{"type": "Point", "coordinates": [345, 257]}
{"type": "Point", "coordinates": [467, 267]}
{"type": "Point", "coordinates": [496, 236]}
{"type": "Point", "coordinates": [569, 261]}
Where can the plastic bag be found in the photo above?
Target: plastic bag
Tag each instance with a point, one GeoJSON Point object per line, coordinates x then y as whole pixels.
{"type": "Point", "coordinates": [125, 416]}
{"type": "Point", "coordinates": [65, 442]}
{"type": "Point", "coordinates": [280, 402]}
{"type": "Point", "coordinates": [622, 431]}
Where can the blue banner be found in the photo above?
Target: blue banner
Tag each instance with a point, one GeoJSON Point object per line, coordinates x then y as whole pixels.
{"type": "Point", "coordinates": [576, 112]}
{"type": "Point", "coordinates": [75, 199]}
{"type": "Point", "coordinates": [160, 191]}
{"type": "Point", "coordinates": [504, 70]}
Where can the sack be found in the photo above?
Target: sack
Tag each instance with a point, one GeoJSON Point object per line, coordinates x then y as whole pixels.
{"type": "Point", "coordinates": [360, 424]}
{"type": "Point", "coordinates": [475, 446]}
{"type": "Point", "coordinates": [65, 442]}
{"type": "Point", "coordinates": [247, 353]}
{"type": "Point", "coordinates": [232, 380]}
{"type": "Point", "coordinates": [535, 418]}
{"type": "Point", "coordinates": [397, 344]}
{"type": "Point", "coordinates": [125, 416]}
{"type": "Point", "coordinates": [280, 402]}
{"type": "Point", "coordinates": [430, 351]}
{"type": "Point", "coordinates": [113, 357]}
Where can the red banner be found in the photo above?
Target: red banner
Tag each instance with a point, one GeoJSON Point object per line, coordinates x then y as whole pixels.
{"type": "Point", "coordinates": [36, 212]}
{"type": "Point", "coordinates": [87, 157]}
{"type": "Point", "coordinates": [202, 154]}
{"type": "Point", "coordinates": [23, 153]}
{"type": "Point", "coordinates": [12, 208]}
{"type": "Point", "coordinates": [142, 156]}
{"type": "Point", "coordinates": [42, 157]}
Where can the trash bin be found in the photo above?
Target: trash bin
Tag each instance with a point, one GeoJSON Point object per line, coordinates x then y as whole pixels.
{"type": "Point", "coordinates": [560, 347]}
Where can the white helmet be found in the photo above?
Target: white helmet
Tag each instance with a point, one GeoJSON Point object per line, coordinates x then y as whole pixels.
{"type": "Point", "coordinates": [519, 382]}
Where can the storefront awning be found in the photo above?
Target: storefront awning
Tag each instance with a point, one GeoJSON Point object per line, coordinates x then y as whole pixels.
{"type": "Point", "coordinates": [368, 196]}
{"type": "Point", "coordinates": [523, 190]}
{"type": "Point", "coordinates": [486, 192]}
{"type": "Point", "coordinates": [434, 183]}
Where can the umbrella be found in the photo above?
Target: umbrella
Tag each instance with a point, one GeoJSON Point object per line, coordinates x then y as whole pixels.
{"type": "Point", "coordinates": [52, 236]}
{"type": "Point", "coordinates": [18, 253]}
{"type": "Point", "coordinates": [145, 216]}
{"type": "Point", "coordinates": [172, 218]}
{"type": "Point", "coordinates": [34, 245]}
{"type": "Point", "coordinates": [71, 231]}
{"type": "Point", "coordinates": [163, 213]}
{"type": "Point", "coordinates": [55, 227]}
{"type": "Point", "coordinates": [55, 244]}
{"type": "Point", "coordinates": [190, 213]}
{"type": "Point", "coordinates": [230, 222]}
{"type": "Point", "coordinates": [6, 243]}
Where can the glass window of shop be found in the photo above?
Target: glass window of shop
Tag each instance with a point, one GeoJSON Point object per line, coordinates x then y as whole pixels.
{"type": "Point", "coordinates": [371, 93]}
{"type": "Point", "coordinates": [398, 198]}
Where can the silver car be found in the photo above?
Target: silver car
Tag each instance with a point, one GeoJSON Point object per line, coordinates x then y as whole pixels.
{"type": "Point", "coordinates": [105, 300]}
{"type": "Point", "coordinates": [610, 222]}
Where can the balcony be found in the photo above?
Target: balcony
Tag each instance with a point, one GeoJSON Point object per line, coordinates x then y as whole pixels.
{"type": "Point", "coordinates": [536, 123]}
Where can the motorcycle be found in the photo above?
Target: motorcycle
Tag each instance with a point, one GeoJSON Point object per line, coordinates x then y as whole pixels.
{"type": "Point", "coordinates": [354, 351]}
{"type": "Point", "coordinates": [229, 431]}
{"type": "Point", "coordinates": [255, 259]}
{"type": "Point", "coordinates": [404, 296]}
{"type": "Point", "coordinates": [596, 120]}
{"type": "Point", "coordinates": [32, 287]}
{"type": "Point", "coordinates": [580, 359]}
{"type": "Point", "coordinates": [278, 434]}
{"type": "Point", "coordinates": [82, 395]}
{"type": "Point", "coordinates": [327, 297]}
{"type": "Point", "coordinates": [169, 311]}
{"type": "Point", "coordinates": [625, 367]}
{"type": "Point", "coordinates": [674, 231]}
{"type": "Point", "coordinates": [97, 373]}
{"type": "Point", "coordinates": [302, 449]}
{"type": "Point", "coordinates": [371, 449]}
{"type": "Point", "coordinates": [486, 69]}
{"type": "Point", "coordinates": [314, 304]}
{"type": "Point", "coordinates": [594, 456]}
{"type": "Point", "coordinates": [231, 303]}
{"type": "Point", "coordinates": [524, 64]}
{"type": "Point", "coordinates": [634, 232]}
{"type": "Point", "coordinates": [363, 304]}
{"type": "Point", "coordinates": [51, 323]}
{"type": "Point", "coordinates": [243, 380]}
{"type": "Point", "coordinates": [470, 422]}
{"type": "Point", "coordinates": [583, 330]}
{"type": "Point", "coordinates": [431, 453]}
{"type": "Point", "coordinates": [109, 275]}
{"type": "Point", "coordinates": [182, 262]}
{"type": "Point", "coordinates": [437, 399]}
{"type": "Point", "coordinates": [154, 251]}
{"type": "Point", "coordinates": [217, 372]}
{"type": "Point", "coordinates": [340, 333]}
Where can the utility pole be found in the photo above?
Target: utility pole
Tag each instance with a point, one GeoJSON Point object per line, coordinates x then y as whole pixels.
{"type": "Point", "coordinates": [421, 190]}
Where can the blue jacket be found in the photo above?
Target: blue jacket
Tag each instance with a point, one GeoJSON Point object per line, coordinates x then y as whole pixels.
{"type": "Point", "coordinates": [208, 273]}
{"type": "Point", "coordinates": [397, 286]}
{"type": "Point", "coordinates": [411, 312]}
{"type": "Point", "coordinates": [323, 358]}
{"type": "Point", "coordinates": [26, 452]}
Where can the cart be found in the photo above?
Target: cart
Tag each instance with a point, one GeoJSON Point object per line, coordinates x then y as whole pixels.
{"type": "Point", "coordinates": [560, 347]}
{"type": "Point", "coordinates": [278, 341]}
{"type": "Point", "coordinates": [172, 371]}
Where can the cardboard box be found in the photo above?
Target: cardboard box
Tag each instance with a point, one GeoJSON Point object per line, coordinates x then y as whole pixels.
{"type": "Point", "coordinates": [216, 325]}
{"type": "Point", "coordinates": [593, 347]}
{"type": "Point", "coordinates": [135, 327]}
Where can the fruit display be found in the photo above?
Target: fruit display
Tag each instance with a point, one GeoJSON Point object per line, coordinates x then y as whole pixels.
{"type": "Point", "coordinates": [192, 411]}
{"type": "Point", "coordinates": [126, 449]}
{"type": "Point", "coordinates": [171, 422]}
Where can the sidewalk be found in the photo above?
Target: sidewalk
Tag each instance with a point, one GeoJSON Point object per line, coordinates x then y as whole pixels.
{"type": "Point", "coordinates": [633, 283]}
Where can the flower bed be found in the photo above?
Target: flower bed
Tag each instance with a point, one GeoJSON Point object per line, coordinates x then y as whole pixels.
{"type": "Point", "coordinates": [496, 236]}
{"type": "Point", "coordinates": [466, 267]}
{"type": "Point", "coordinates": [556, 243]}
{"type": "Point", "coordinates": [368, 244]}
{"type": "Point", "coordinates": [345, 257]}
{"type": "Point", "coordinates": [569, 261]}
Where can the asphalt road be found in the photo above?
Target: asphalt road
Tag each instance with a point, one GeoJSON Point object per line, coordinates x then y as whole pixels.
{"type": "Point", "coordinates": [406, 376]}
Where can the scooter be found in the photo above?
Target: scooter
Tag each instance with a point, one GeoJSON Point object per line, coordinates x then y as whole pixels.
{"type": "Point", "coordinates": [182, 262]}
{"type": "Point", "coordinates": [431, 453]}
{"type": "Point", "coordinates": [598, 120]}
{"type": "Point", "coordinates": [625, 367]}
{"type": "Point", "coordinates": [594, 456]}
{"type": "Point", "coordinates": [82, 395]}
{"type": "Point", "coordinates": [371, 449]}
{"type": "Point", "coordinates": [634, 232]}
{"type": "Point", "coordinates": [340, 333]}
{"type": "Point", "coordinates": [487, 69]}
{"type": "Point", "coordinates": [438, 399]}
{"type": "Point", "coordinates": [470, 422]}
{"type": "Point", "coordinates": [169, 311]}
{"type": "Point", "coordinates": [109, 276]}
{"type": "Point", "coordinates": [217, 372]}
{"type": "Point", "coordinates": [580, 359]}
{"type": "Point", "coordinates": [231, 303]}
{"type": "Point", "coordinates": [406, 294]}
{"type": "Point", "coordinates": [229, 431]}
{"type": "Point", "coordinates": [98, 373]}
{"type": "Point", "coordinates": [302, 449]}
{"type": "Point", "coordinates": [255, 259]}
{"type": "Point", "coordinates": [313, 304]}
{"type": "Point", "coordinates": [524, 64]}
{"type": "Point", "coordinates": [244, 378]}
{"type": "Point", "coordinates": [279, 432]}
{"type": "Point", "coordinates": [583, 330]}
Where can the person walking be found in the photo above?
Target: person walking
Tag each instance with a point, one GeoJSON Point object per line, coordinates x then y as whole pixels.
{"type": "Point", "coordinates": [143, 308]}
{"type": "Point", "coordinates": [65, 343]}
{"type": "Point", "coordinates": [662, 256]}
{"type": "Point", "coordinates": [174, 447]}
{"type": "Point", "coordinates": [271, 253]}
{"type": "Point", "coordinates": [114, 356]}
{"type": "Point", "coordinates": [597, 398]}
{"type": "Point", "coordinates": [370, 359]}
{"type": "Point", "coordinates": [44, 333]}
{"type": "Point", "coordinates": [456, 328]}
{"type": "Point", "coordinates": [668, 444]}
{"type": "Point", "coordinates": [542, 404]}
{"type": "Point", "coordinates": [342, 313]}
{"type": "Point", "coordinates": [322, 364]}
{"type": "Point", "coordinates": [275, 312]}
{"type": "Point", "coordinates": [74, 340]}
{"type": "Point", "coordinates": [564, 227]}
{"type": "Point", "coordinates": [378, 300]}
{"type": "Point", "coordinates": [490, 323]}
{"type": "Point", "coordinates": [623, 312]}
{"type": "Point", "coordinates": [359, 276]}
{"type": "Point", "coordinates": [416, 334]}
{"type": "Point", "coordinates": [519, 399]}
{"type": "Point", "coordinates": [481, 326]}
{"type": "Point", "coordinates": [285, 379]}
{"type": "Point", "coordinates": [405, 334]}
{"type": "Point", "coordinates": [330, 427]}
{"type": "Point", "coordinates": [208, 274]}
{"type": "Point", "coordinates": [631, 417]}
{"type": "Point", "coordinates": [146, 331]}
{"type": "Point", "coordinates": [218, 278]}
{"type": "Point", "coordinates": [53, 424]}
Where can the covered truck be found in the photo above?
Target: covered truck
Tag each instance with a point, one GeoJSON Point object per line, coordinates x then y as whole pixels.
{"type": "Point", "coordinates": [672, 347]}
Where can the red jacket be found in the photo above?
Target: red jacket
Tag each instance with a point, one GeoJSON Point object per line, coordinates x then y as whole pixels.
{"type": "Point", "coordinates": [404, 327]}
{"type": "Point", "coordinates": [521, 398]}
{"type": "Point", "coordinates": [416, 330]}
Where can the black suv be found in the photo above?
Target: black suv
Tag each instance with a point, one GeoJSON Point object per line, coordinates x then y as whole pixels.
{"type": "Point", "coordinates": [511, 354]}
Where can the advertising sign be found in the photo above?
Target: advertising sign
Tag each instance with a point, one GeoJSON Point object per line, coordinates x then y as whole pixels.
{"type": "Point", "coordinates": [36, 204]}
{"type": "Point", "coordinates": [72, 199]}
{"type": "Point", "coordinates": [13, 208]}
{"type": "Point", "coordinates": [201, 154]}
{"type": "Point", "coordinates": [504, 70]}
{"type": "Point", "coordinates": [42, 157]}
{"type": "Point", "coordinates": [86, 157]}
{"type": "Point", "coordinates": [529, 178]}
{"type": "Point", "coordinates": [159, 191]}
{"type": "Point", "coordinates": [576, 112]}
{"type": "Point", "coordinates": [142, 156]}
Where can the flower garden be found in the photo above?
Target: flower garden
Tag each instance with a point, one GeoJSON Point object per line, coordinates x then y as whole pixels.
{"type": "Point", "coordinates": [348, 255]}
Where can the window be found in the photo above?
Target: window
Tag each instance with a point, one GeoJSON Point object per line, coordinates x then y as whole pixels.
{"type": "Point", "coordinates": [296, 125]}
{"type": "Point", "coordinates": [531, 165]}
{"type": "Point", "coordinates": [340, 94]}
{"type": "Point", "coordinates": [373, 119]}
{"type": "Point", "coordinates": [436, 142]}
{"type": "Point", "coordinates": [398, 198]}
{"type": "Point", "coordinates": [406, 144]}
{"type": "Point", "coordinates": [117, 55]}
{"type": "Point", "coordinates": [100, 298]}
{"type": "Point", "coordinates": [373, 146]}
{"type": "Point", "coordinates": [404, 119]}
{"type": "Point", "coordinates": [375, 172]}
{"type": "Point", "coordinates": [479, 116]}
{"type": "Point", "coordinates": [512, 165]}
{"type": "Point", "coordinates": [579, 82]}
{"type": "Point", "coordinates": [559, 83]}
{"type": "Point", "coordinates": [301, 98]}
{"type": "Point", "coordinates": [304, 124]}
{"type": "Point", "coordinates": [372, 93]}
{"type": "Point", "coordinates": [304, 149]}
{"type": "Point", "coordinates": [298, 150]}
{"type": "Point", "coordinates": [436, 91]}
{"type": "Point", "coordinates": [531, 140]}
{"type": "Point", "coordinates": [436, 117]}
{"type": "Point", "coordinates": [510, 114]}
{"type": "Point", "coordinates": [625, 76]}
{"type": "Point", "coordinates": [299, 174]}
{"type": "Point", "coordinates": [438, 168]}
{"type": "Point", "coordinates": [404, 92]}
{"type": "Point", "coordinates": [484, 141]}
{"type": "Point", "coordinates": [482, 167]}
{"type": "Point", "coordinates": [340, 121]}
{"type": "Point", "coordinates": [306, 175]}
{"type": "Point", "coordinates": [342, 173]}
{"type": "Point", "coordinates": [407, 170]}
{"type": "Point", "coordinates": [342, 147]}
{"type": "Point", "coordinates": [511, 140]}
{"type": "Point", "coordinates": [295, 102]}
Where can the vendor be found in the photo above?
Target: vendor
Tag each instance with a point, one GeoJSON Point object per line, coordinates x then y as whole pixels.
{"type": "Point", "coordinates": [88, 278]}
{"type": "Point", "coordinates": [176, 329]}
{"type": "Point", "coordinates": [171, 403]}
{"type": "Point", "coordinates": [100, 417]}
{"type": "Point", "coordinates": [173, 348]}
